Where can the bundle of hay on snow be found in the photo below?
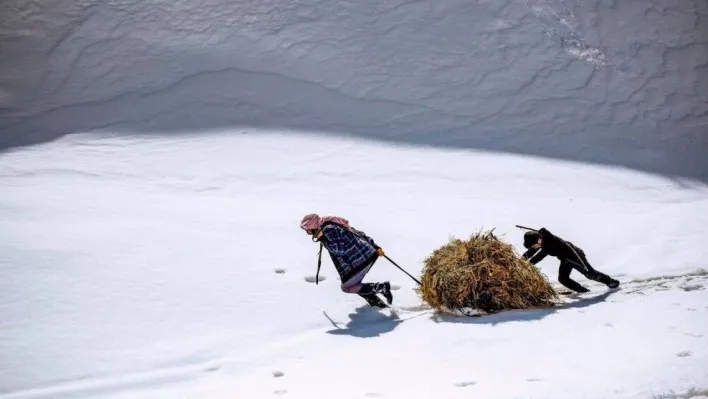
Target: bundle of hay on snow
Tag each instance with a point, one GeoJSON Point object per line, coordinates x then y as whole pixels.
{"type": "Point", "coordinates": [483, 273]}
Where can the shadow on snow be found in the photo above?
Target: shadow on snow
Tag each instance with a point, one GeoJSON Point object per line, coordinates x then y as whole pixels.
{"type": "Point", "coordinates": [523, 315]}
{"type": "Point", "coordinates": [366, 322]}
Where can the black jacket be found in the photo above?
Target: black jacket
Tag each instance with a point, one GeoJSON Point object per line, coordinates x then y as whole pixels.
{"type": "Point", "coordinates": [554, 246]}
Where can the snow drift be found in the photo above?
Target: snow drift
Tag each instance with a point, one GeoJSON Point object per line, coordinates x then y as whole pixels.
{"type": "Point", "coordinates": [599, 81]}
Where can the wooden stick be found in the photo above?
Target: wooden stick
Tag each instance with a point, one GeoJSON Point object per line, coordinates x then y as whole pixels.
{"type": "Point", "coordinates": [526, 228]}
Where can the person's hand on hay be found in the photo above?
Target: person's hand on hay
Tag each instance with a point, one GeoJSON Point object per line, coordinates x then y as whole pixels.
{"type": "Point", "coordinates": [380, 251]}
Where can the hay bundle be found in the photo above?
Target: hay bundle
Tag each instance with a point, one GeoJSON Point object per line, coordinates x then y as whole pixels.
{"type": "Point", "coordinates": [483, 273]}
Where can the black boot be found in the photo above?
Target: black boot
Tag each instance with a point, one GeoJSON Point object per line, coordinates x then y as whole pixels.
{"type": "Point", "coordinates": [573, 285]}
{"type": "Point", "coordinates": [604, 279]}
{"type": "Point", "coordinates": [373, 300]}
{"type": "Point", "coordinates": [384, 289]}
{"type": "Point", "coordinates": [369, 290]}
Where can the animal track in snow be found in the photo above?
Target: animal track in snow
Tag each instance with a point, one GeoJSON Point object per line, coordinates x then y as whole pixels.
{"type": "Point", "coordinates": [532, 379]}
{"type": "Point", "coordinates": [280, 392]}
{"type": "Point", "coordinates": [465, 384]}
{"type": "Point", "coordinates": [280, 271]}
{"type": "Point", "coordinates": [373, 394]}
{"type": "Point", "coordinates": [608, 324]}
{"type": "Point", "coordinates": [277, 374]}
{"type": "Point", "coordinates": [311, 279]}
{"type": "Point", "coordinates": [684, 354]}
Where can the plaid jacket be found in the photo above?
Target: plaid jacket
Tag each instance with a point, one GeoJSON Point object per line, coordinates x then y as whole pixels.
{"type": "Point", "coordinates": [350, 253]}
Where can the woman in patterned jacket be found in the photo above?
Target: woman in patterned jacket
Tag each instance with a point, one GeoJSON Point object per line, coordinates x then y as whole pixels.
{"type": "Point", "coordinates": [353, 254]}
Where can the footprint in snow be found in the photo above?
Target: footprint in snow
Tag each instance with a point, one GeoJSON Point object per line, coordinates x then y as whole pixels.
{"type": "Point", "coordinates": [311, 279]}
{"type": "Point", "coordinates": [373, 394]}
{"type": "Point", "coordinates": [684, 354]}
{"type": "Point", "coordinates": [280, 392]}
{"type": "Point", "coordinates": [692, 287]}
{"type": "Point", "coordinates": [695, 335]}
{"type": "Point", "coordinates": [608, 324]}
{"type": "Point", "coordinates": [465, 384]}
{"type": "Point", "coordinates": [395, 287]}
{"type": "Point", "coordinates": [211, 369]}
{"type": "Point", "coordinates": [280, 271]}
{"type": "Point", "coordinates": [534, 379]}
{"type": "Point", "coordinates": [277, 374]}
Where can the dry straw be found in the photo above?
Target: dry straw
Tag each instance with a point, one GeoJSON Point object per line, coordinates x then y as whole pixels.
{"type": "Point", "coordinates": [483, 273]}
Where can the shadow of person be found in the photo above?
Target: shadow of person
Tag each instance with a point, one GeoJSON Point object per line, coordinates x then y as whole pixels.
{"type": "Point", "coordinates": [523, 315]}
{"type": "Point", "coordinates": [366, 322]}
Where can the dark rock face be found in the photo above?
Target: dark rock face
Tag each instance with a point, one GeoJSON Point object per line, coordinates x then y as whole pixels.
{"type": "Point", "coordinates": [602, 81]}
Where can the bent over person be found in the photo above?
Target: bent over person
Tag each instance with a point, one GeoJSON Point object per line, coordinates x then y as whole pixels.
{"type": "Point", "coordinates": [542, 243]}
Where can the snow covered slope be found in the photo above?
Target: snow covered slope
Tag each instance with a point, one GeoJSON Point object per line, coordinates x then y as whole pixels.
{"type": "Point", "coordinates": [604, 81]}
{"type": "Point", "coordinates": [136, 267]}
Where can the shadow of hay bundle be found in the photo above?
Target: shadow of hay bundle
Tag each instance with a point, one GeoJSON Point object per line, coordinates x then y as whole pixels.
{"type": "Point", "coordinates": [483, 273]}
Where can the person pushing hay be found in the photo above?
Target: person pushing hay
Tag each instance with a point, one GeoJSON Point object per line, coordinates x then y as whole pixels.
{"type": "Point", "coordinates": [483, 273]}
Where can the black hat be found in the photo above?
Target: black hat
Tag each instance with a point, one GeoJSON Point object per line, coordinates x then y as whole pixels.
{"type": "Point", "coordinates": [530, 239]}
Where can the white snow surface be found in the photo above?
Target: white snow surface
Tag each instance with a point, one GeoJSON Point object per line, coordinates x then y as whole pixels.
{"type": "Point", "coordinates": [148, 267]}
{"type": "Point", "coordinates": [613, 82]}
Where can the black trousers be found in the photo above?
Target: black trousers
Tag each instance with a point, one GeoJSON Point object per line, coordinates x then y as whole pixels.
{"type": "Point", "coordinates": [581, 264]}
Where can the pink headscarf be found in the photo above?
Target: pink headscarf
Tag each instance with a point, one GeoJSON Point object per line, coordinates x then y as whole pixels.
{"type": "Point", "coordinates": [315, 222]}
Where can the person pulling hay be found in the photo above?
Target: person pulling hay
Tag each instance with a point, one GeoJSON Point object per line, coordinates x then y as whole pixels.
{"type": "Point", "coordinates": [483, 273]}
{"type": "Point", "coordinates": [353, 254]}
